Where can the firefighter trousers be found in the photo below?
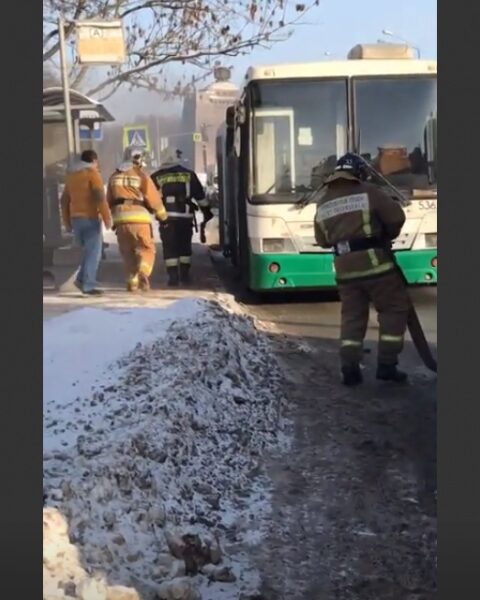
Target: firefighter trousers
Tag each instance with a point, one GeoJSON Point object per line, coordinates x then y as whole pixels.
{"type": "Point", "coordinates": [177, 241]}
{"type": "Point", "coordinates": [137, 247]}
{"type": "Point", "coordinates": [389, 296]}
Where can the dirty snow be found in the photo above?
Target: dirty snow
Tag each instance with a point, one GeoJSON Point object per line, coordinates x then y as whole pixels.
{"type": "Point", "coordinates": [155, 425]}
{"type": "Point", "coordinates": [79, 346]}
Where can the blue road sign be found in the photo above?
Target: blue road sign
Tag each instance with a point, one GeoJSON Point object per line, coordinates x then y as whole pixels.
{"type": "Point", "coordinates": [87, 134]}
{"type": "Point", "coordinates": [136, 136]}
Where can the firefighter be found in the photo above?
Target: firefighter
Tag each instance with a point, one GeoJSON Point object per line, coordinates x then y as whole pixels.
{"type": "Point", "coordinates": [360, 222]}
{"type": "Point", "coordinates": [179, 187]}
{"type": "Point", "coordinates": [133, 199]}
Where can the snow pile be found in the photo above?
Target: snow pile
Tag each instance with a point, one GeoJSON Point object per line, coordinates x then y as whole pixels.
{"type": "Point", "coordinates": [63, 573]}
{"type": "Point", "coordinates": [158, 473]}
{"type": "Point", "coordinates": [79, 346]}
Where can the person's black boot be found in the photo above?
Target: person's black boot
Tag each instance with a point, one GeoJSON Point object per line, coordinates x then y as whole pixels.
{"type": "Point", "coordinates": [391, 373]}
{"type": "Point", "coordinates": [352, 375]}
{"type": "Point", "coordinates": [185, 273]}
{"type": "Point", "coordinates": [172, 273]}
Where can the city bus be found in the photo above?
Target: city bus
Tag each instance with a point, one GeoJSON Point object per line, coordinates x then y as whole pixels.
{"type": "Point", "coordinates": [284, 134]}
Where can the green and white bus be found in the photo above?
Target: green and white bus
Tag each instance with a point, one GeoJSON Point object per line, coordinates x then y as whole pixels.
{"type": "Point", "coordinates": [290, 124]}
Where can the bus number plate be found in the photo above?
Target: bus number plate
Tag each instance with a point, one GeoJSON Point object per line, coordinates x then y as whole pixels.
{"type": "Point", "coordinates": [427, 204]}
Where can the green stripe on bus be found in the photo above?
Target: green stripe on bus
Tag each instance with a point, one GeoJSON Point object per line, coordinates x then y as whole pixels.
{"type": "Point", "coordinates": [373, 271]}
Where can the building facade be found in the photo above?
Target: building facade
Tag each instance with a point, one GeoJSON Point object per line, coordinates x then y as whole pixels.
{"type": "Point", "coordinates": [203, 113]}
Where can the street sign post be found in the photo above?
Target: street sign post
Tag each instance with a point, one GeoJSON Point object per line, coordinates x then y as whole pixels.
{"type": "Point", "coordinates": [100, 42]}
{"type": "Point", "coordinates": [136, 135]}
{"type": "Point", "coordinates": [66, 90]}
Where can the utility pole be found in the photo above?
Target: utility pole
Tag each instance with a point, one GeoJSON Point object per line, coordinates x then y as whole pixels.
{"type": "Point", "coordinates": [66, 89]}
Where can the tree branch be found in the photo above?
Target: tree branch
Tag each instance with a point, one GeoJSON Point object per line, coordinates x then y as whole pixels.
{"type": "Point", "coordinates": [126, 75]}
{"type": "Point", "coordinates": [160, 32]}
{"type": "Point", "coordinates": [69, 29]}
{"type": "Point", "coordinates": [82, 73]}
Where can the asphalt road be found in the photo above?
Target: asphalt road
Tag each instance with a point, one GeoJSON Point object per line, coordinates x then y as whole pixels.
{"type": "Point", "coordinates": [317, 314]}
{"type": "Point", "coordinates": [354, 500]}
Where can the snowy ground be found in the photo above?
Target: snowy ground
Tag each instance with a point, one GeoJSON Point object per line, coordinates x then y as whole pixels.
{"type": "Point", "coordinates": [349, 512]}
{"type": "Point", "coordinates": [205, 284]}
{"type": "Point", "coordinates": [155, 421]}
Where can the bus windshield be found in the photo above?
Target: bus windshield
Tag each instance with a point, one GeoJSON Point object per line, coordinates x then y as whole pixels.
{"type": "Point", "coordinates": [298, 131]}
{"type": "Point", "coordinates": [396, 128]}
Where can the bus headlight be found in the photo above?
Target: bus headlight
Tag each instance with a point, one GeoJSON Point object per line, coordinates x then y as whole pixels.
{"type": "Point", "coordinates": [274, 267]}
{"type": "Point", "coordinates": [277, 245]}
{"type": "Point", "coordinates": [431, 240]}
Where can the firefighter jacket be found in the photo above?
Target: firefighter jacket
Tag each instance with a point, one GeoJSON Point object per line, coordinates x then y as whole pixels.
{"type": "Point", "coordinates": [179, 186]}
{"type": "Point", "coordinates": [132, 196]}
{"type": "Point", "coordinates": [359, 221]}
{"type": "Point", "coordinates": [84, 195]}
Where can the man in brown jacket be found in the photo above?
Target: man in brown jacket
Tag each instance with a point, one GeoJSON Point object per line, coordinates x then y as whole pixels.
{"type": "Point", "coordinates": [84, 206]}
{"type": "Point", "coordinates": [360, 221]}
{"type": "Point", "coordinates": [133, 198]}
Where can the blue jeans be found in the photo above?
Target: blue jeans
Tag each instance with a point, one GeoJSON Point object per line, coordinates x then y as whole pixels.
{"type": "Point", "coordinates": [88, 235]}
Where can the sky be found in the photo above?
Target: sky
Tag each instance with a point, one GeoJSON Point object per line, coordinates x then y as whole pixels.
{"type": "Point", "coordinates": [334, 28]}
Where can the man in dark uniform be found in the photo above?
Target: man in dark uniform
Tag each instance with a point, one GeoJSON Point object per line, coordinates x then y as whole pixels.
{"type": "Point", "coordinates": [360, 221]}
{"type": "Point", "coordinates": [179, 186]}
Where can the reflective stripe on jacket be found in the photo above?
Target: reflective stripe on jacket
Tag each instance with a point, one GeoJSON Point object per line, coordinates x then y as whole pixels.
{"type": "Point", "coordinates": [179, 186]}
{"type": "Point", "coordinates": [353, 210]}
{"type": "Point", "coordinates": [131, 183]}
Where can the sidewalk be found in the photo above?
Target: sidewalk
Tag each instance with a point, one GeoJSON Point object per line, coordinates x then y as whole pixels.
{"type": "Point", "coordinates": [205, 283]}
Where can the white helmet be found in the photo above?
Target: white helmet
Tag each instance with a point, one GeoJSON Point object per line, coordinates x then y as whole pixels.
{"type": "Point", "coordinates": [170, 156]}
{"type": "Point", "coordinates": [134, 154]}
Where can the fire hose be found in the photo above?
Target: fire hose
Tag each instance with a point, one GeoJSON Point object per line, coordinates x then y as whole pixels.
{"type": "Point", "coordinates": [206, 218]}
{"type": "Point", "coordinates": [203, 224]}
{"type": "Point", "coordinates": [413, 322]}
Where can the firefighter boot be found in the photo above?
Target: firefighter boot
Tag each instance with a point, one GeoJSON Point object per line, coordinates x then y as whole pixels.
{"type": "Point", "coordinates": [185, 273]}
{"type": "Point", "coordinates": [172, 273]}
{"type": "Point", "coordinates": [391, 373]}
{"type": "Point", "coordinates": [144, 283]}
{"type": "Point", "coordinates": [352, 375]}
{"type": "Point", "coordinates": [132, 284]}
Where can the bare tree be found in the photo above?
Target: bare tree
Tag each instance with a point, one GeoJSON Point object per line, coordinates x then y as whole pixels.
{"type": "Point", "coordinates": [162, 32]}
{"type": "Point", "coordinates": [50, 76]}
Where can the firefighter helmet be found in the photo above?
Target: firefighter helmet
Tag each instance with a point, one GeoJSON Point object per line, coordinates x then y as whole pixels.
{"type": "Point", "coordinates": [170, 155]}
{"type": "Point", "coordinates": [134, 154]}
{"type": "Point", "coordinates": [353, 164]}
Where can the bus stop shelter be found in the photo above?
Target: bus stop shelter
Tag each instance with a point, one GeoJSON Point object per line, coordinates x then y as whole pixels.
{"type": "Point", "coordinates": [58, 253]}
{"type": "Point", "coordinates": [84, 112]}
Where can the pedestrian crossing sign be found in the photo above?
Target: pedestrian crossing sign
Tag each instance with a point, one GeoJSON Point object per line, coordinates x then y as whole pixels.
{"type": "Point", "coordinates": [136, 135]}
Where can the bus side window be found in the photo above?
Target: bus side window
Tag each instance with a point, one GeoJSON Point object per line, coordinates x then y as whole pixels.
{"type": "Point", "coordinates": [237, 140]}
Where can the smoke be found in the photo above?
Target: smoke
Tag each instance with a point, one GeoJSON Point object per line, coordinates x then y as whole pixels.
{"type": "Point", "coordinates": [125, 106]}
